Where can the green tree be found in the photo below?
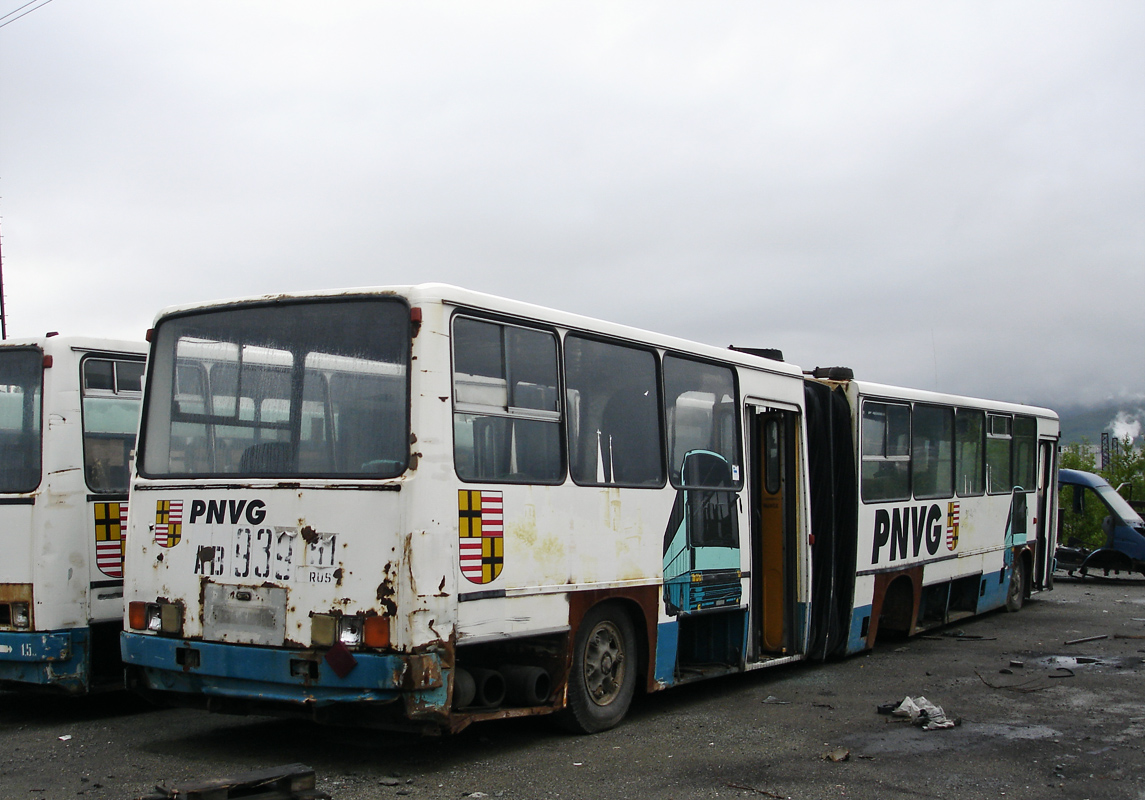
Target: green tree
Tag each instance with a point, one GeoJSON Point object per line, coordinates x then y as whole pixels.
{"type": "Point", "coordinates": [1126, 469]}
{"type": "Point", "coordinates": [1078, 455]}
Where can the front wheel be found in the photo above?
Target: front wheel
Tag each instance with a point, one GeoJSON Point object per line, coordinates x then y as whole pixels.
{"type": "Point", "coordinates": [1016, 593]}
{"type": "Point", "coordinates": [603, 676]}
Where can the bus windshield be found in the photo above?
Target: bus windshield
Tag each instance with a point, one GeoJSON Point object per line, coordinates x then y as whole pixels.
{"type": "Point", "coordinates": [315, 388]}
{"type": "Point", "coordinates": [21, 379]}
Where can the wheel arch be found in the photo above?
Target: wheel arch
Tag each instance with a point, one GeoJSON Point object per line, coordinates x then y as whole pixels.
{"type": "Point", "coordinates": [640, 605]}
{"type": "Point", "coordinates": [896, 602]}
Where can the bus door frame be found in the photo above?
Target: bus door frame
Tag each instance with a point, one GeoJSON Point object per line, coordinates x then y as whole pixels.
{"type": "Point", "coordinates": [1045, 529]}
{"type": "Point", "coordinates": [758, 413]}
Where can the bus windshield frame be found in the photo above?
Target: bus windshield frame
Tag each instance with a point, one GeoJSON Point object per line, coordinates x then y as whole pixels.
{"type": "Point", "coordinates": [291, 389]}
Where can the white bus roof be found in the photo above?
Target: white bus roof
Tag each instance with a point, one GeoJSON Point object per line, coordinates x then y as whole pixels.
{"type": "Point", "coordinates": [883, 391]}
{"type": "Point", "coordinates": [87, 344]}
{"type": "Point", "coordinates": [465, 298]}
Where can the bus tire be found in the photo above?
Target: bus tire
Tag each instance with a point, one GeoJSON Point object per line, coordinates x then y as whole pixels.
{"type": "Point", "coordinates": [603, 676]}
{"type": "Point", "coordinates": [1016, 592]}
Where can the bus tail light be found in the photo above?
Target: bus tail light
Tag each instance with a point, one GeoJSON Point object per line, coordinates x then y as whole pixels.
{"type": "Point", "coordinates": [351, 630]}
{"type": "Point", "coordinates": [20, 617]}
{"type": "Point", "coordinates": [137, 615]}
{"type": "Point", "coordinates": [323, 630]}
{"type": "Point", "coordinates": [156, 617]}
{"type": "Point", "coordinates": [376, 632]}
{"type": "Point", "coordinates": [171, 618]}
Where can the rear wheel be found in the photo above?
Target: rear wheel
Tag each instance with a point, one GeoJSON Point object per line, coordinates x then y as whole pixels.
{"type": "Point", "coordinates": [1016, 593]}
{"type": "Point", "coordinates": [603, 676]}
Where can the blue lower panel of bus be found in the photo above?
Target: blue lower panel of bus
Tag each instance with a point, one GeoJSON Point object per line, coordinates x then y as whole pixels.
{"type": "Point", "coordinates": [860, 623]}
{"type": "Point", "coordinates": [994, 588]}
{"type": "Point", "coordinates": [52, 658]}
{"type": "Point", "coordinates": [667, 640]}
{"type": "Point", "coordinates": [246, 671]}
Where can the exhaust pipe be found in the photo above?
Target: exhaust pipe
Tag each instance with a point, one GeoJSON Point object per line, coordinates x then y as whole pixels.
{"type": "Point", "coordinates": [526, 686]}
{"type": "Point", "coordinates": [488, 687]}
{"type": "Point", "coordinates": [464, 689]}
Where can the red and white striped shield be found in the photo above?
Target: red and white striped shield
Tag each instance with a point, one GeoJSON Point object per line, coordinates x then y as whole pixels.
{"type": "Point", "coordinates": [481, 546]}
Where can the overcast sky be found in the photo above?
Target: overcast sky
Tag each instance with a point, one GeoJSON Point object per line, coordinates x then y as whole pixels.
{"type": "Point", "coordinates": [948, 196]}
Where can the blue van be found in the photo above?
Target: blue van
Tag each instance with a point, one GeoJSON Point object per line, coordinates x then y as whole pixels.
{"type": "Point", "coordinates": [1097, 528]}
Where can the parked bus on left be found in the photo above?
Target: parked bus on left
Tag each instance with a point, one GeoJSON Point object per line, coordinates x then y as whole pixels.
{"type": "Point", "coordinates": [69, 410]}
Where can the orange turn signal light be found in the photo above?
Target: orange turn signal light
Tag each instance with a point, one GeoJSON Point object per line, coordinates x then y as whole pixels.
{"type": "Point", "coordinates": [376, 632]}
{"type": "Point", "coordinates": [137, 615]}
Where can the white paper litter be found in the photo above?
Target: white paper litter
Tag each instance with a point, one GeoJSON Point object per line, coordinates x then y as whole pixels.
{"type": "Point", "coordinates": [924, 713]}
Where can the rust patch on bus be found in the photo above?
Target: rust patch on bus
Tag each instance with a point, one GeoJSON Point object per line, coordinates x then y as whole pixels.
{"type": "Point", "coordinates": [10, 592]}
{"type": "Point", "coordinates": [386, 594]}
{"type": "Point", "coordinates": [309, 535]}
{"type": "Point", "coordinates": [899, 611]}
{"type": "Point", "coordinates": [407, 554]}
{"type": "Point", "coordinates": [422, 672]}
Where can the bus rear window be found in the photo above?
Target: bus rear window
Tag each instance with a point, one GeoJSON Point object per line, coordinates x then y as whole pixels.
{"type": "Point", "coordinates": [21, 379]}
{"type": "Point", "coordinates": [298, 389]}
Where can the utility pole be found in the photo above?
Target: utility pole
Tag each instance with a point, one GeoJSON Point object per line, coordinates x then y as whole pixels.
{"type": "Point", "coordinates": [3, 316]}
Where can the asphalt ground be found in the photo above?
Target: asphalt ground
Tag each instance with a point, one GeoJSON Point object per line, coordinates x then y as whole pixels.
{"type": "Point", "coordinates": [1040, 717]}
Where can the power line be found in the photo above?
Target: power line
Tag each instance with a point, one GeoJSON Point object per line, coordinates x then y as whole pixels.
{"type": "Point", "coordinates": [21, 8]}
{"type": "Point", "coordinates": [10, 13]}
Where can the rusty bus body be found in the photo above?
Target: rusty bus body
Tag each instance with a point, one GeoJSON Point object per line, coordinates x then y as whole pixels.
{"type": "Point", "coordinates": [421, 507]}
{"type": "Point", "coordinates": [69, 410]}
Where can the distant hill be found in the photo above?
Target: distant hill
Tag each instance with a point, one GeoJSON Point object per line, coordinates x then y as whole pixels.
{"type": "Point", "coordinates": [1090, 422]}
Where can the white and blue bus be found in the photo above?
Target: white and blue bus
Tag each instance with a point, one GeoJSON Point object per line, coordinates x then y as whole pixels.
{"type": "Point", "coordinates": [69, 410]}
{"type": "Point", "coordinates": [422, 507]}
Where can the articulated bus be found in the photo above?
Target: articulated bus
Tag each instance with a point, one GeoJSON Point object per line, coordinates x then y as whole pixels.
{"type": "Point", "coordinates": [420, 507]}
{"type": "Point", "coordinates": [69, 410]}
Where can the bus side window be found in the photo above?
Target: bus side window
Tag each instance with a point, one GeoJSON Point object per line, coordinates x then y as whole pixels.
{"type": "Point", "coordinates": [506, 402]}
{"type": "Point", "coordinates": [999, 469]}
{"type": "Point", "coordinates": [700, 403]}
{"type": "Point", "coordinates": [1025, 452]}
{"type": "Point", "coordinates": [969, 461]}
{"type": "Point", "coordinates": [615, 435]}
{"type": "Point", "coordinates": [886, 451]}
{"type": "Point", "coordinates": [111, 398]}
{"type": "Point", "coordinates": [932, 452]}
